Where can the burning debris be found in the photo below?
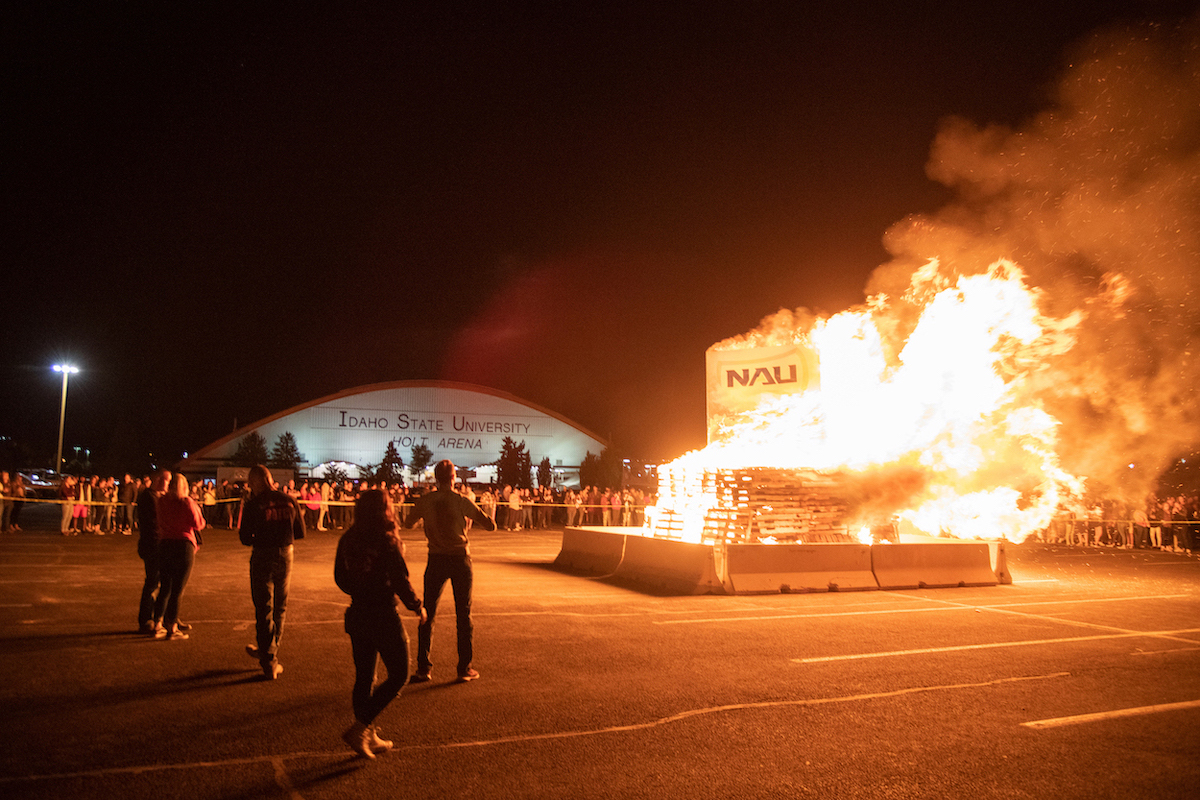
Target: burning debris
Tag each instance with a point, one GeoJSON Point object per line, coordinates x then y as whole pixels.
{"type": "Point", "coordinates": [753, 505]}
{"type": "Point", "coordinates": [945, 436]}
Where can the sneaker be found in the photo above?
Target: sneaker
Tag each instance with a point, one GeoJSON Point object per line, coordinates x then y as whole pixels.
{"type": "Point", "coordinates": [177, 634]}
{"type": "Point", "coordinates": [274, 671]}
{"type": "Point", "coordinates": [252, 651]}
{"type": "Point", "coordinates": [420, 677]}
{"type": "Point", "coordinates": [160, 632]}
{"type": "Point", "coordinates": [146, 628]}
{"type": "Point", "coordinates": [377, 744]}
{"type": "Point", "coordinates": [358, 737]}
{"type": "Point", "coordinates": [469, 675]}
{"type": "Point", "coordinates": [183, 626]}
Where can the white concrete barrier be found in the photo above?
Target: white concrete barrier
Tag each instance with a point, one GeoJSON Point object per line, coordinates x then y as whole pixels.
{"type": "Point", "coordinates": [932, 565]}
{"type": "Point", "coordinates": [671, 566]}
{"type": "Point", "coordinates": [799, 567]}
{"type": "Point", "coordinates": [595, 551]}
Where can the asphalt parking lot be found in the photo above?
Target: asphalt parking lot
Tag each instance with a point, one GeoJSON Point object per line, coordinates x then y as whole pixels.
{"type": "Point", "coordinates": [1080, 680]}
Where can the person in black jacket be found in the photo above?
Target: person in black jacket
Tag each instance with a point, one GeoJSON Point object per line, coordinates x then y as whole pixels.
{"type": "Point", "coordinates": [147, 548]}
{"type": "Point", "coordinates": [370, 567]}
{"type": "Point", "coordinates": [271, 522]}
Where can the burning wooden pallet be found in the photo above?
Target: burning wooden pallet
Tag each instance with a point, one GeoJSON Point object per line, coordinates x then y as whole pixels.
{"type": "Point", "coordinates": [759, 503]}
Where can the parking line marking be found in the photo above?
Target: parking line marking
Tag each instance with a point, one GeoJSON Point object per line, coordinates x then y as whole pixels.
{"type": "Point", "coordinates": [277, 761]}
{"type": "Point", "coordinates": [942, 605]}
{"type": "Point", "coordinates": [1083, 719]}
{"type": "Point", "coordinates": [696, 712]}
{"type": "Point", "coordinates": [991, 646]}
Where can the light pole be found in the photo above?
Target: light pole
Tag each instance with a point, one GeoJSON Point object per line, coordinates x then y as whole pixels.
{"type": "Point", "coordinates": [67, 370]}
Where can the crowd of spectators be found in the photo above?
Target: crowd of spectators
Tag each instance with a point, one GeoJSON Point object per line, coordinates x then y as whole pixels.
{"type": "Point", "coordinates": [1170, 523]}
{"type": "Point", "coordinates": [106, 506]}
{"type": "Point", "coordinates": [102, 506]}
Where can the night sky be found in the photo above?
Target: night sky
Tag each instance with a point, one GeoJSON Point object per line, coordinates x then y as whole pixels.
{"type": "Point", "coordinates": [219, 211]}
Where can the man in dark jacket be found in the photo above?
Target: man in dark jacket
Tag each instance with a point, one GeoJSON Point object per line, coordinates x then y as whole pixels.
{"type": "Point", "coordinates": [271, 522]}
{"type": "Point", "coordinates": [147, 548]}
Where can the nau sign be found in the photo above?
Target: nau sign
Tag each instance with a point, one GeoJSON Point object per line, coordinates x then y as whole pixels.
{"type": "Point", "coordinates": [738, 379]}
{"type": "Point", "coordinates": [767, 376]}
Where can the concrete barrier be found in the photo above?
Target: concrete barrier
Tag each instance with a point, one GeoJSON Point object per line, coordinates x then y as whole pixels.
{"type": "Point", "coordinates": [932, 565]}
{"type": "Point", "coordinates": [799, 568]}
{"type": "Point", "coordinates": [671, 566]}
{"type": "Point", "coordinates": [595, 551]}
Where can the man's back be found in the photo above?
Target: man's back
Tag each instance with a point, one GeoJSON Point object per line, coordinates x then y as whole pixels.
{"type": "Point", "coordinates": [271, 519]}
{"type": "Point", "coordinates": [445, 512]}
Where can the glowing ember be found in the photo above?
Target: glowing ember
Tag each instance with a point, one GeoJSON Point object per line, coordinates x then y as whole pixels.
{"type": "Point", "coordinates": [924, 416]}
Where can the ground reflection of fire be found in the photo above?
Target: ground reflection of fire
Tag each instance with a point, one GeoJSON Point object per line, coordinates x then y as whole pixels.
{"type": "Point", "coordinates": [937, 431]}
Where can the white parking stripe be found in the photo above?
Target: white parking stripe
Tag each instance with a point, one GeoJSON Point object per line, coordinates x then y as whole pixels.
{"type": "Point", "coordinates": [992, 645]}
{"type": "Point", "coordinates": [942, 605]}
{"type": "Point", "coordinates": [1082, 719]}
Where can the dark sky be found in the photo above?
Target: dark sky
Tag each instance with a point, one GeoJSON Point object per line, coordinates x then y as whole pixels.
{"type": "Point", "coordinates": [219, 211]}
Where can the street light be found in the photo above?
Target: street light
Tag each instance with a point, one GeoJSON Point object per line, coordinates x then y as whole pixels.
{"type": "Point", "coordinates": [67, 370]}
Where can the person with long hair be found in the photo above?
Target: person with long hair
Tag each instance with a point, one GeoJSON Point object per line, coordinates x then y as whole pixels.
{"type": "Point", "coordinates": [370, 567]}
{"type": "Point", "coordinates": [179, 524]}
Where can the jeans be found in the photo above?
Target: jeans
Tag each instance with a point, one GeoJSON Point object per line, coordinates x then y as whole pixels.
{"type": "Point", "coordinates": [376, 634]}
{"type": "Point", "coordinates": [270, 577]}
{"type": "Point", "coordinates": [439, 569]}
{"type": "Point", "coordinates": [150, 585]}
{"type": "Point", "coordinates": [175, 559]}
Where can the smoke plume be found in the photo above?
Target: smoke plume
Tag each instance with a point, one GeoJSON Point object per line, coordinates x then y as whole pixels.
{"type": "Point", "coordinates": [1098, 199]}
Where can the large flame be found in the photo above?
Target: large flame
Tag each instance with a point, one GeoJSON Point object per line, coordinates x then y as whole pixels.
{"type": "Point", "coordinates": [946, 434]}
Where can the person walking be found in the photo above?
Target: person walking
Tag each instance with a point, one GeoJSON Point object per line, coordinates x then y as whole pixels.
{"type": "Point", "coordinates": [370, 567]}
{"type": "Point", "coordinates": [445, 511]}
{"type": "Point", "coordinates": [179, 521]}
{"type": "Point", "coordinates": [271, 522]}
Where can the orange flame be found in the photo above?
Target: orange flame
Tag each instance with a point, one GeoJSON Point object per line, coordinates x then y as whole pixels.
{"type": "Point", "coordinates": [946, 434]}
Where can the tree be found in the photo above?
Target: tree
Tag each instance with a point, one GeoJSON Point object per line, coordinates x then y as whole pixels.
{"type": "Point", "coordinates": [544, 472]}
{"type": "Point", "coordinates": [285, 454]}
{"type": "Point", "coordinates": [334, 474]}
{"type": "Point", "coordinates": [421, 456]}
{"type": "Point", "coordinates": [512, 467]}
{"type": "Point", "coordinates": [602, 470]}
{"type": "Point", "coordinates": [391, 469]}
{"type": "Point", "coordinates": [251, 450]}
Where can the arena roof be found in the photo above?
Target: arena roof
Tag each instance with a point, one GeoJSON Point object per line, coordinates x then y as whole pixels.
{"type": "Point", "coordinates": [460, 421]}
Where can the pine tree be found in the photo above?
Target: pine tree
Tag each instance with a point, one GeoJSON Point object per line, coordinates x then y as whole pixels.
{"type": "Point", "coordinates": [512, 467]}
{"type": "Point", "coordinates": [391, 469]}
{"type": "Point", "coordinates": [421, 456]}
{"type": "Point", "coordinates": [285, 454]}
{"type": "Point", "coordinates": [251, 451]}
{"type": "Point", "coordinates": [602, 470]}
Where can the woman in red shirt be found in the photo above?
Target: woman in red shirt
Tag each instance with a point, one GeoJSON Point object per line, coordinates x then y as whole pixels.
{"type": "Point", "coordinates": [179, 524]}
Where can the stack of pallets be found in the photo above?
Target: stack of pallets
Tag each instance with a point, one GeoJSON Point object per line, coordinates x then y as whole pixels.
{"type": "Point", "coordinates": [756, 503]}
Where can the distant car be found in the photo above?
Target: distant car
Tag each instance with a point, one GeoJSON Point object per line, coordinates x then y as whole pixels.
{"type": "Point", "coordinates": [39, 487]}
